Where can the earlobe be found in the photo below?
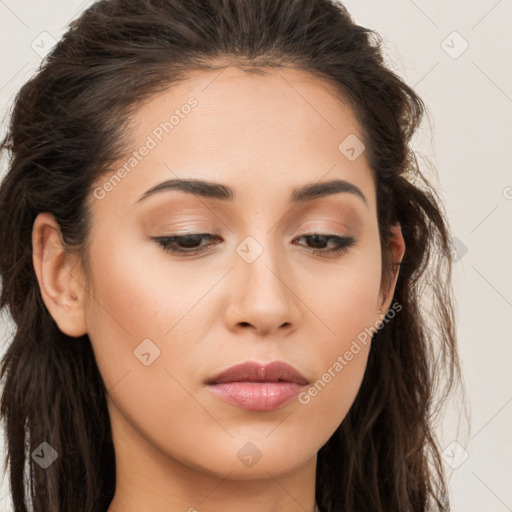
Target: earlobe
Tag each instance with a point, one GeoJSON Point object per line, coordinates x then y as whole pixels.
{"type": "Point", "coordinates": [58, 276]}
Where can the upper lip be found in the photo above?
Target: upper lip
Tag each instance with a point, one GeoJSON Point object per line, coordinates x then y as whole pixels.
{"type": "Point", "coordinates": [252, 371]}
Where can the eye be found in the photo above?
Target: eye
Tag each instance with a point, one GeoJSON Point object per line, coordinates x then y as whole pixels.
{"type": "Point", "coordinates": [341, 243]}
{"type": "Point", "coordinates": [186, 244]}
{"type": "Point", "coordinates": [190, 243]}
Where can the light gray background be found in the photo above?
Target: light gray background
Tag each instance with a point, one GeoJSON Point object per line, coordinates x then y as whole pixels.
{"type": "Point", "coordinates": [469, 141]}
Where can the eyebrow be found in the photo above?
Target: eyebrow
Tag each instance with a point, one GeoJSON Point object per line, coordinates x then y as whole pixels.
{"type": "Point", "coordinates": [212, 190]}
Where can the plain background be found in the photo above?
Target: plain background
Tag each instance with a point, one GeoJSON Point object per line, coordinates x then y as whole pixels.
{"type": "Point", "coordinates": [457, 55]}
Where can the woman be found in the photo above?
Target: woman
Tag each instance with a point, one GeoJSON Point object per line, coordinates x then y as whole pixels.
{"type": "Point", "coordinates": [215, 238]}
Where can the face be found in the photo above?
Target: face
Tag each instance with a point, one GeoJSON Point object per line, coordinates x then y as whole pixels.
{"type": "Point", "coordinates": [276, 275]}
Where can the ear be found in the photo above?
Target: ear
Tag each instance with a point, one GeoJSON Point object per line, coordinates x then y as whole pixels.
{"type": "Point", "coordinates": [59, 276]}
{"type": "Point", "coordinates": [397, 246]}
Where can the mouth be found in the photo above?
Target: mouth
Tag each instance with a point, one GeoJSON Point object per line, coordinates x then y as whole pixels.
{"type": "Point", "coordinates": [258, 387]}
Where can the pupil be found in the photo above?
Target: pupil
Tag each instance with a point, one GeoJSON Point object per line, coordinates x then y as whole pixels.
{"type": "Point", "coordinates": [190, 241]}
{"type": "Point", "coordinates": [318, 239]}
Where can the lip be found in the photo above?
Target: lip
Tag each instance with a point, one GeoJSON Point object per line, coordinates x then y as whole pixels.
{"type": "Point", "coordinates": [258, 387]}
{"type": "Point", "coordinates": [252, 371]}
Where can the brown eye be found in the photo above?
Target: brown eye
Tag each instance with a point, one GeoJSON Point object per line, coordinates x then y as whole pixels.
{"type": "Point", "coordinates": [318, 243]}
{"type": "Point", "coordinates": [190, 244]}
{"type": "Point", "coordinates": [184, 244]}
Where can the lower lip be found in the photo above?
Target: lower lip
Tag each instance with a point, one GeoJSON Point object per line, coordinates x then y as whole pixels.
{"type": "Point", "coordinates": [257, 396]}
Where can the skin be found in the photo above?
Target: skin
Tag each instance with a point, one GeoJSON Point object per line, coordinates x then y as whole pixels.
{"type": "Point", "coordinates": [176, 443]}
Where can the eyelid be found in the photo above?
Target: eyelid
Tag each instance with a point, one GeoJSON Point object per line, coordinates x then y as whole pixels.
{"type": "Point", "coordinates": [316, 228]}
{"type": "Point", "coordinates": [312, 228]}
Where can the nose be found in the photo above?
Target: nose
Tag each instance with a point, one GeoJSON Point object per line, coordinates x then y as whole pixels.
{"type": "Point", "coordinates": [263, 298]}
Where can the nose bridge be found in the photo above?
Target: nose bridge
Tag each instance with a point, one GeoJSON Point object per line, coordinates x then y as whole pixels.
{"type": "Point", "coordinates": [261, 265]}
{"type": "Point", "coordinates": [264, 298]}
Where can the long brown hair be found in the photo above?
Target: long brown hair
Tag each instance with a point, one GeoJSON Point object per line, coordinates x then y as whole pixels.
{"type": "Point", "coordinates": [68, 126]}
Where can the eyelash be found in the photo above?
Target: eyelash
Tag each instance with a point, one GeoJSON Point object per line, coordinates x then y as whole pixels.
{"type": "Point", "coordinates": [168, 243]}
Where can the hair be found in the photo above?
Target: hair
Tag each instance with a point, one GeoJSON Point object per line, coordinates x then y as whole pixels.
{"type": "Point", "coordinates": [68, 126]}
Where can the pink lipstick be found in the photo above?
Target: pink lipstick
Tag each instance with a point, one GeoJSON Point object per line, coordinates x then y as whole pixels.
{"type": "Point", "coordinates": [258, 387]}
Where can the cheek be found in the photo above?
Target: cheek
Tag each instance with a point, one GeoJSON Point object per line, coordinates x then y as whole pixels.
{"type": "Point", "coordinates": [138, 308]}
{"type": "Point", "coordinates": [346, 298]}
{"type": "Point", "coordinates": [140, 287]}
{"type": "Point", "coordinates": [341, 363]}
{"type": "Point", "coordinates": [133, 301]}
{"type": "Point", "coordinates": [347, 305]}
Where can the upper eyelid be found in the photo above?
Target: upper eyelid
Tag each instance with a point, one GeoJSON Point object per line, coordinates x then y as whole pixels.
{"type": "Point", "coordinates": [314, 225]}
{"type": "Point", "coordinates": [210, 234]}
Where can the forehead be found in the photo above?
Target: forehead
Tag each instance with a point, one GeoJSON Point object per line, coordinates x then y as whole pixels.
{"type": "Point", "coordinates": [261, 133]}
{"type": "Point", "coordinates": [233, 104]}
